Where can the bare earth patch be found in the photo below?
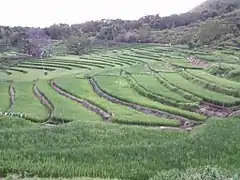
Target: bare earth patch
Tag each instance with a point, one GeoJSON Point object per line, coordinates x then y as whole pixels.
{"type": "Point", "coordinates": [197, 62]}
{"type": "Point", "coordinates": [212, 110]}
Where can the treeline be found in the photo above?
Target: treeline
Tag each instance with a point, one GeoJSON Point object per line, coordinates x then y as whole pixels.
{"type": "Point", "coordinates": [202, 27]}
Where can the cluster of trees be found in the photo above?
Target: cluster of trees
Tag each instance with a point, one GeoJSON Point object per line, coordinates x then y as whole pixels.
{"type": "Point", "coordinates": [224, 23]}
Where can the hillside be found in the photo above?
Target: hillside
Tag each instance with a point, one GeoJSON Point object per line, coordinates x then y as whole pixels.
{"type": "Point", "coordinates": [221, 6]}
{"type": "Point", "coordinates": [214, 23]}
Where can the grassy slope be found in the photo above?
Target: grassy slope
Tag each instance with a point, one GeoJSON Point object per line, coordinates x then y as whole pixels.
{"type": "Point", "coordinates": [4, 96]}
{"type": "Point", "coordinates": [96, 149]}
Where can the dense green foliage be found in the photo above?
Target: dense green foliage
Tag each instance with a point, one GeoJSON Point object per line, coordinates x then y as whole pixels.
{"type": "Point", "coordinates": [127, 113]}
{"type": "Point", "coordinates": [107, 150]}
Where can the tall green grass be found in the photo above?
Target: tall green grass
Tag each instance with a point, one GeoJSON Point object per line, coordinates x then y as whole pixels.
{"type": "Point", "coordinates": [27, 102]}
{"type": "Point", "coordinates": [64, 108]}
{"type": "Point", "coordinates": [97, 149]}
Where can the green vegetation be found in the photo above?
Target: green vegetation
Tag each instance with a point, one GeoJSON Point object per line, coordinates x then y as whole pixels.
{"type": "Point", "coordinates": [135, 112]}
{"type": "Point", "coordinates": [207, 95]}
{"type": "Point", "coordinates": [27, 102]}
{"type": "Point", "coordinates": [97, 149]}
{"type": "Point", "coordinates": [4, 96]}
{"type": "Point", "coordinates": [120, 88]}
{"type": "Point", "coordinates": [138, 103]}
{"type": "Point", "coordinates": [220, 81]}
{"type": "Point", "coordinates": [65, 109]}
{"type": "Point", "coordinates": [152, 84]}
{"type": "Point", "coordinates": [121, 114]}
{"type": "Point", "coordinates": [212, 86]}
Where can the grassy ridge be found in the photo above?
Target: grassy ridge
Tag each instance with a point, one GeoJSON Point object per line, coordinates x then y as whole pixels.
{"type": "Point", "coordinates": [211, 86]}
{"type": "Point", "coordinates": [43, 65]}
{"type": "Point", "coordinates": [140, 88]}
{"type": "Point", "coordinates": [35, 67]}
{"type": "Point", "coordinates": [153, 85]}
{"type": "Point", "coordinates": [26, 102]}
{"type": "Point", "coordinates": [197, 90]}
{"type": "Point", "coordinates": [120, 88]}
{"type": "Point", "coordinates": [61, 63]}
{"type": "Point", "coordinates": [121, 114]}
{"type": "Point", "coordinates": [215, 79]}
{"type": "Point", "coordinates": [64, 108]}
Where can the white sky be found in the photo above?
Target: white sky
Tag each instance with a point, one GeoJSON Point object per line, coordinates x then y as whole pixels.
{"type": "Point", "coordinates": [46, 12]}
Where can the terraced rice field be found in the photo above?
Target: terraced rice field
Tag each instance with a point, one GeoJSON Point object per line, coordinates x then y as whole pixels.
{"type": "Point", "coordinates": [131, 108]}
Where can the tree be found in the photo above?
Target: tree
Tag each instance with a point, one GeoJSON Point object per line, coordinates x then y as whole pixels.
{"type": "Point", "coordinates": [190, 45]}
{"type": "Point", "coordinates": [36, 43]}
{"type": "Point", "coordinates": [78, 45]}
{"type": "Point", "coordinates": [211, 30]}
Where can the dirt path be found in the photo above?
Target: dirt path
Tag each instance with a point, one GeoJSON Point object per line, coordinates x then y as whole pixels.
{"type": "Point", "coordinates": [12, 96]}
{"type": "Point", "coordinates": [185, 123]}
{"type": "Point", "coordinates": [105, 115]}
{"type": "Point", "coordinates": [197, 62]}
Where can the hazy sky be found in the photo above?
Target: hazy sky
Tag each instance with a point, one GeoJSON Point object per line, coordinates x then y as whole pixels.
{"type": "Point", "coordinates": [46, 12]}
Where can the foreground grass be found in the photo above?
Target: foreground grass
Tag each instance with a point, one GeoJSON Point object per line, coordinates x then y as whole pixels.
{"type": "Point", "coordinates": [4, 96]}
{"type": "Point", "coordinates": [206, 173]}
{"type": "Point", "coordinates": [97, 149]}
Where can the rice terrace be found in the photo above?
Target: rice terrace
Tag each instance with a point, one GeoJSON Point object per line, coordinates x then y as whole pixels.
{"type": "Point", "coordinates": [156, 98]}
{"type": "Point", "coordinates": [142, 106]}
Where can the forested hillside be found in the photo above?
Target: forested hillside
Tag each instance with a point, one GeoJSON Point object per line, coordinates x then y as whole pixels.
{"type": "Point", "coordinates": [215, 22]}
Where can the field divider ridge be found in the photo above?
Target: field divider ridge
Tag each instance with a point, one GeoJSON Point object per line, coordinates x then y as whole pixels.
{"type": "Point", "coordinates": [45, 101]}
{"type": "Point", "coordinates": [103, 113]}
{"type": "Point", "coordinates": [147, 93]}
{"type": "Point", "coordinates": [182, 92]}
{"type": "Point", "coordinates": [184, 121]}
{"type": "Point", "coordinates": [12, 92]}
{"type": "Point", "coordinates": [210, 85]}
{"type": "Point", "coordinates": [205, 99]}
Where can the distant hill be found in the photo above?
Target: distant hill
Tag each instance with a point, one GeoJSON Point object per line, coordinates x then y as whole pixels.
{"type": "Point", "coordinates": [221, 6]}
{"type": "Point", "coordinates": [220, 27]}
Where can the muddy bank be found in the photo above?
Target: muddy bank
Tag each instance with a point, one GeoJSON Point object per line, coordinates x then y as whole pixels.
{"type": "Point", "coordinates": [212, 110]}
{"type": "Point", "coordinates": [197, 62]}
{"type": "Point", "coordinates": [235, 114]}
{"type": "Point", "coordinates": [12, 96]}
